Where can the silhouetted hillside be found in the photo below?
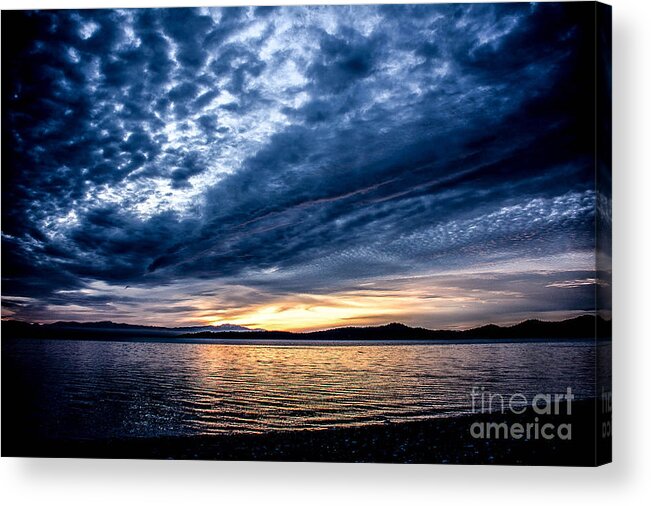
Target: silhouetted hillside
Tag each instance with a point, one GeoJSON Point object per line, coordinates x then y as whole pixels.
{"type": "Point", "coordinates": [582, 327]}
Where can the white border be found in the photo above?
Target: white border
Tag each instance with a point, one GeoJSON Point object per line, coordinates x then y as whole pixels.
{"type": "Point", "coordinates": [627, 481]}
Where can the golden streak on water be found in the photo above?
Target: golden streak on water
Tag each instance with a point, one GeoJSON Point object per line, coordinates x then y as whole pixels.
{"type": "Point", "coordinates": [118, 389]}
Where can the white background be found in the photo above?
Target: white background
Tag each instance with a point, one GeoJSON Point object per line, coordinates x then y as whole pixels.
{"type": "Point", "coordinates": [626, 481]}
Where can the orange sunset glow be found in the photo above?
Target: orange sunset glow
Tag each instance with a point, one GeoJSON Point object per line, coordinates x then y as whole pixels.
{"type": "Point", "coordinates": [322, 312]}
{"type": "Point", "coordinates": [316, 312]}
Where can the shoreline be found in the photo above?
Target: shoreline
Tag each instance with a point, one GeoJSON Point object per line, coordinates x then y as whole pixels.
{"type": "Point", "coordinates": [439, 440]}
{"type": "Point", "coordinates": [322, 342]}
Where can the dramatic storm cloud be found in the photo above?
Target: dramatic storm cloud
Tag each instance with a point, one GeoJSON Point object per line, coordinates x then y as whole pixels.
{"type": "Point", "coordinates": [299, 167]}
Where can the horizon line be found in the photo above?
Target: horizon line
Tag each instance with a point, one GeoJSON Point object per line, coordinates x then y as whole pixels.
{"type": "Point", "coordinates": [247, 329]}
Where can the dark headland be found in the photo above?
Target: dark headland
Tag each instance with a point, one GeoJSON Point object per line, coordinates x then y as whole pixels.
{"type": "Point", "coordinates": [581, 327]}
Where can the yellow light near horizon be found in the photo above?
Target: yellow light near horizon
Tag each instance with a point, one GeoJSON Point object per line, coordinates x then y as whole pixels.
{"type": "Point", "coordinates": [305, 312]}
{"type": "Point", "coordinates": [301, 317]}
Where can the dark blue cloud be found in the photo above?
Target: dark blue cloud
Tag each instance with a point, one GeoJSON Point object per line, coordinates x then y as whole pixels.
{"type": "Point", "coordinates": [154, 147]}
{"type": "Point", "coordinates": [344, 59]}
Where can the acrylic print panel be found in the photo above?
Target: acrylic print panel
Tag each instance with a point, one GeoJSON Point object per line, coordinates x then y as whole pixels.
{"type": "Point", "coordinates": [373, 233]}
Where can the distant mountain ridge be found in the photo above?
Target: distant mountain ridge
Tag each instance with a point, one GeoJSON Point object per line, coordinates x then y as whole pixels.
{"type": "Point", "coordinates": [105, 329]}
{"type": "Point", "coordinates": [581, 327]}
{"type": "Point", "coordinates": [227, 327]}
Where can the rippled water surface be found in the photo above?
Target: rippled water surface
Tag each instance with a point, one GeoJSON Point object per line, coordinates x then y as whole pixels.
{"type": "Point", "coordinates": [113, 389]}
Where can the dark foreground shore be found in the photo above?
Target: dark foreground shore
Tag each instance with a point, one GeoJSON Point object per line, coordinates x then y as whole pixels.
{"type": "Point", "coordinates": [446, 440]}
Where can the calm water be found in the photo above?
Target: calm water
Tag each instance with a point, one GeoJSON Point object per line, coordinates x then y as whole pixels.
{"type": "Point", "coordinates": [90, 389]}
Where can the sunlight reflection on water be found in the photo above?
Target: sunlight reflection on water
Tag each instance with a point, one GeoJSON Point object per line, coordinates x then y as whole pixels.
{"type": "Point", "coordinates": [114, 389]}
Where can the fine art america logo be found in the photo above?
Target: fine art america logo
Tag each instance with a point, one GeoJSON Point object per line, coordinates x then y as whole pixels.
{"type": "Point", "coordinates": [525, 417]}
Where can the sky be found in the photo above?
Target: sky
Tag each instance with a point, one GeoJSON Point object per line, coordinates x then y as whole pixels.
{"type": "Point", "coordinates": [300, 167]}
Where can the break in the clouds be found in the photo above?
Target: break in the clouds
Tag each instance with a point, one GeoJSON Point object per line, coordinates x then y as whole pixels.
{"type": "Point", "coordinates": [299, 167]}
